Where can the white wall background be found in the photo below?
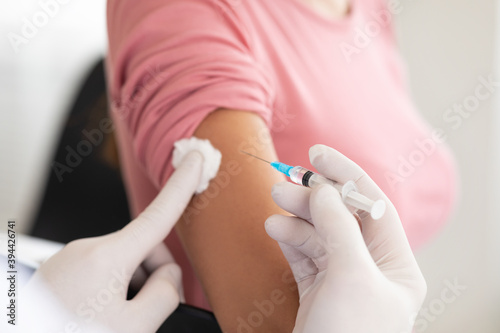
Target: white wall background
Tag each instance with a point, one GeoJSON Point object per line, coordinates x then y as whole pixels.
{"type": "Point", "coordinates": [38, 80]}
{"type": "Point", "coordinates": [448, 44]}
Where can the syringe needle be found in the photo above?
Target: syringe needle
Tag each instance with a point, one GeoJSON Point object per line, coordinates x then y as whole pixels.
{"type": "Point", "coordinates": [350, 195]}
{"type": "Point", "coordinates": [244, 152]}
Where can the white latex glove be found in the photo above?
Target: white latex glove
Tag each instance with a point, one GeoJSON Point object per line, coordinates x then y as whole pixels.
{"type": "Point", "coordinates": [349, 281]}
{"type": "Point", "coordinates": [83, 287]}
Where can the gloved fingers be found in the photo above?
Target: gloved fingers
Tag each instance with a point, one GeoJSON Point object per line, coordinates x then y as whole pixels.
{"type": "Point", "coordinates": [157, 299]}
{"type": "Point", "coordinates": [304, 269]}
{"type": "Point", "coordinates": [382, 236]}
{"type": "Point", "coordinates": [158, 257]}
{"type": "Point", "coordinates": [138, 278]}
{"type": "Point", "coordinates": [298, 234]}
{"type": "Point", "coordinates": [141, 235]}
{"type": "Point", "coordinates": [301, 247]}
{"type": "Point", "coordinates": [338, 228]}
{"type": "Point", "coordinates": [333, 165]}
{"type": "Point", "coordinates": [292, 198]}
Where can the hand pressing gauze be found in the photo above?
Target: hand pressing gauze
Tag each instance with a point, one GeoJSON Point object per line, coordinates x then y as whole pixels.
{"type": "Point", "coordinates": [211, 158]}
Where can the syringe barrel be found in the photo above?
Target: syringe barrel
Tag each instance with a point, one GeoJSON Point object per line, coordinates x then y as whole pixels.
{"type": "Point", "coordinates": [302, 176]}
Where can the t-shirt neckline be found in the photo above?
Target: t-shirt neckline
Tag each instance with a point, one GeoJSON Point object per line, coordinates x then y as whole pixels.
{"type": "Point", "coordinates": [346, 19]}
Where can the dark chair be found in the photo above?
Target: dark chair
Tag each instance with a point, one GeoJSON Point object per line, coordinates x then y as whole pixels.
{"type": "Point", "coordinates": [86, 197]}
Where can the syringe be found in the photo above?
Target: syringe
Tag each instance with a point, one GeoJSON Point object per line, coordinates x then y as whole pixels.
{"type": "Point", "coordinates": [349, 190]}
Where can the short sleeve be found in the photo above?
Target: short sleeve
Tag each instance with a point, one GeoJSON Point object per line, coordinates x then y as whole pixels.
{"type": "Point", "coordinates": [170, 64]}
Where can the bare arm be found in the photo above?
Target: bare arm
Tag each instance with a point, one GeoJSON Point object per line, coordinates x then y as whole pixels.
{"type": "Point", "coordinates": [240, 267]}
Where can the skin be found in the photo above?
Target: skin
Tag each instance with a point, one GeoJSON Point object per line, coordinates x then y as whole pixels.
{"type": "Point", "coordinates": [236, 261]}
{"type": "Point", "coordinates": [222, 236]}
{"type": "Point", "coordinates": [332, 9]}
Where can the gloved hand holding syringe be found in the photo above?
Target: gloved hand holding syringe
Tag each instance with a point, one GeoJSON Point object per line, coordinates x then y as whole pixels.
{"type": "Point", "coordinates": [349, 191]}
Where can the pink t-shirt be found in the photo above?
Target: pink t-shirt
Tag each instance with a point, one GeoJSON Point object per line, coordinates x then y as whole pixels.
{"type": "Point", "coordinates": [313, 80]}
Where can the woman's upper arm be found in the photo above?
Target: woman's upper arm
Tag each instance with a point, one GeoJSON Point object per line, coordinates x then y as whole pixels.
{"type": "Point", "coordinates": [243, 271]}
{"type": "Point", "coordinates": [172, 63]}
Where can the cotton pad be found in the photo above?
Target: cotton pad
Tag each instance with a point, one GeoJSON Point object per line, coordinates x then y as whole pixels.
{"type": "Point", "coordinates": [211, 158]}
